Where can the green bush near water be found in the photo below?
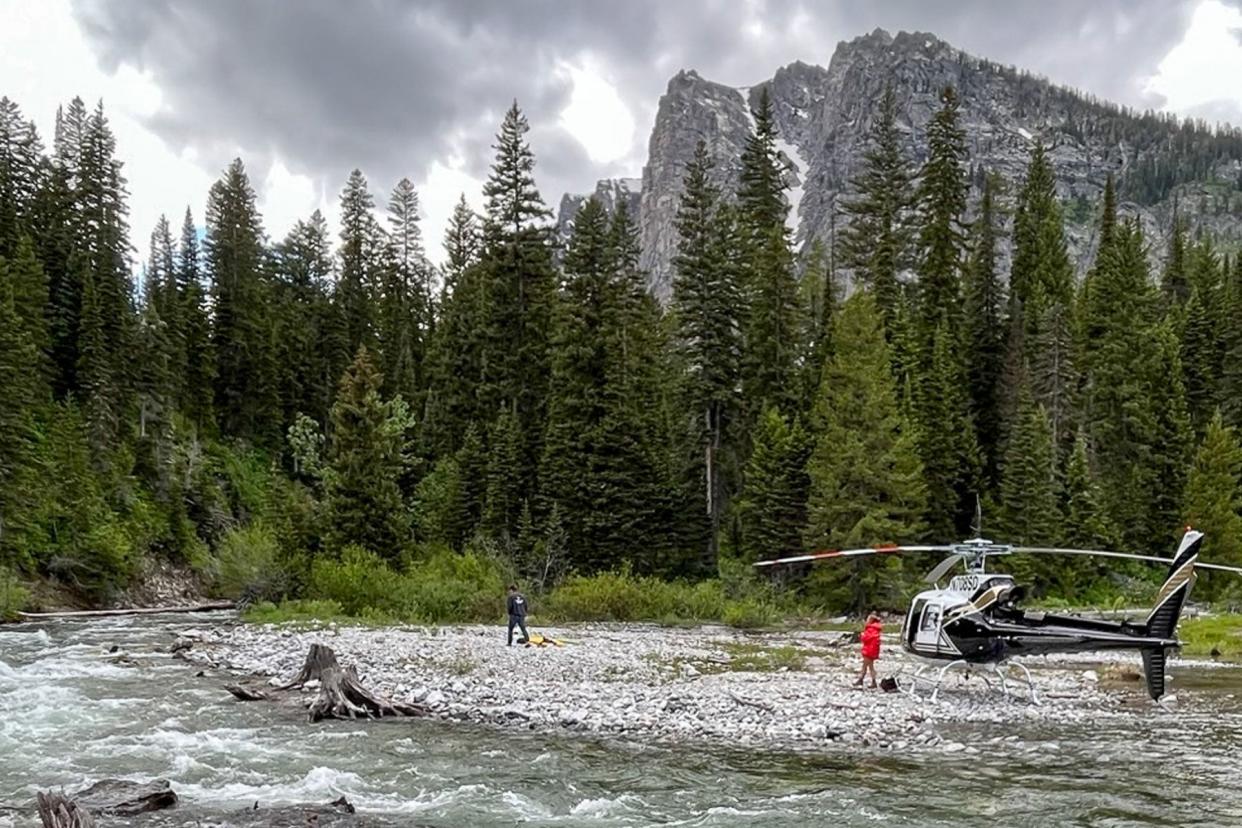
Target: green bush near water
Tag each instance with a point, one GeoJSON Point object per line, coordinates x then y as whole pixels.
{"type": "Point", "coordinates": [13, 596]}
{"type": "Point", "coordinates": [442, 586]}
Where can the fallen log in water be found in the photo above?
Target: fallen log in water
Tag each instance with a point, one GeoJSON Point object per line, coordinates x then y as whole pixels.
{"type": "Point", "coordinates": [37, 616]}
{"type": "Point", "coordinates": [341, 694]}
{"type": "Point", "coordinates": [245, 693]}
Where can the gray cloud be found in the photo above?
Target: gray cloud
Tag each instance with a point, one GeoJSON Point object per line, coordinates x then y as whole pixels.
{"type": "Point", "coordinates": [391, 86]}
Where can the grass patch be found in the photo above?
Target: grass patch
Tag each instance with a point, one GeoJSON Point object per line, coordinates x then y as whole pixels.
{"type": "Point", "coordinates": [1223, 633]}
{"type": "Point", "coordinates": [756, 658]}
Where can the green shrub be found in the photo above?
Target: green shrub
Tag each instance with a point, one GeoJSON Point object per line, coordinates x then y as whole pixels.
{"type": "Point", "coordinates": [444, 586]}
{"type": "Point", "coordinates": [749, 613]}
{"type": "Point", "coordinates": [248, 564]}
{"type": "Point", "coordinates": [265, 612]}
{"type": "Point", "coordinates": [13, 596]}
{"type": "Point", "coordinates": [360, 580]}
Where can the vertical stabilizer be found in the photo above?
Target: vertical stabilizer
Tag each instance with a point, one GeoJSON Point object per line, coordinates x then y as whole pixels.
{"type": "Point", "coordinates": [1162, 621]}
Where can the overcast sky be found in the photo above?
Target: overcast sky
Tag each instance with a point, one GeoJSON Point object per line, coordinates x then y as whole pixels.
{"type": "Point", "coordinates": [305, 91]}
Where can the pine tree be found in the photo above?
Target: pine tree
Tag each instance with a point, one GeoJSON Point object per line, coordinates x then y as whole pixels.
{"type": "Point", "coordinates": [946, 440]}
{"type": "Point", "coordinates": [28, 284]}
{"type": "Point", "coordinates": [576, 404]}
{"type": "Point", "coordinates": [819, 298]}
{"type": "Point", "coordinates": [22, 394]}
{"type": "Point", "coordinates": [770, 362]}
{"type": "Point", "coordinates": [307, 352]}
{"type": "Point", "coordinates": [405, 304]}
{"type": "Point", "coordinates": [1085, 526]}
{"type": "Point", "coordinates": [1231, 345]}
{"type": "Point", "coordinates": [20, 151]}
{"type": "Point", "coordinates": [1029, 489]}
{"type": "Point", "coordinates": [518, 294]}
{"type": "Point", "coordinates": [361, 242]}
{"type": "Point", "coordinates": [876, 242]}
{"type": "Point", "coordinates": [103, 235]}
{"type": "Point", "coordinates": [197, 385]}
{"type": "Point", "coordinates": [504, 479]}
{"type": "Point", "coordinates": [941, 199]}
{"type": "Point", "coordinates": [1174, 281]}
{"type": "Point", "coordinates": [1036, 201]}
{"type": "Point", "coordinates": [162, 292]}
{"type": "Point", "coordinates": [772, 506]}
{"type": "Point", "coordinates": [245, 389]}
{"type": "Point", "coordinates": [1213, 498]}
{"type": "Point", "coordinates": [1200, 357]}
{"type": "Point", "coordinates": [705, 304]}
{"type": "Point", "coordinates": [363, 501]}
{"type": "Point", "coordinates": [461, 243]}
{"type": "Point", "coordinates": [762, 206]}
{"type": "Point", "coordinates": [866, 482]}
{"type": "Point", "coordinates": [984, 334]}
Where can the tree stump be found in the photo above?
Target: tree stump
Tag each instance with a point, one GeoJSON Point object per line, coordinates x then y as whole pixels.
{"type": "Point", "coordinates": [341, 694]}
{"type": "Point", "coordinates": [57, 811]}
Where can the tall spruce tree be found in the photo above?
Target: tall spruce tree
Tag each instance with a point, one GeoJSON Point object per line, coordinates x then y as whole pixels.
{"type": "Point", "coordinates": [866, 481]}
{"type": "Point", "coordinates": [307, 353]}
{"type": "Point", "coordinates": [519, 291]}
{"type": "Point", "coordinates": [946, 439]}
{"type": "Point", "coordinates": [941, 199]}
{"type": "Point", "coordinates": [819, 297]}
{"type": "Point", "coordinates": [363, 501]}
{"type": "Point", "coordinates": [197, 384]}
{"type": "Point", "coordinates": [772, 505]}
{"type": "Point", "coordinates": [245, 390]}
{"type": "Point", "coordinates": [984, 333]}
{"type": "Point", "coordinates": [1085, 526]}
{"type": "Point", "coordinates": [877, 240]}
{"type": "Point", "coordinates": [1036, 200]}
{"type": "Point", "coordinates": [405, 303]}
{"type": "Point", "coordinates": [1029, 503]}
{"type": "Point", "coordinates": [705, 304]}
{"type": "Point", "coordinates": [461, 243]}
{"type": "Point", "coordinates": [20, 174]}
{"type": "Point", "coordinates": [361, 243]}
{"type": "Point", "coordinates": [1213, 499]}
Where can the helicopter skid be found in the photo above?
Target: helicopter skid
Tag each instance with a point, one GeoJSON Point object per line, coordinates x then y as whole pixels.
{"type": "Point", "coordinates": [973, 668]}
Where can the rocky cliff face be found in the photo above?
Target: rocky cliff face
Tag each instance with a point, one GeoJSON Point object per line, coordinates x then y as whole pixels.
{"type": "Point", "coordinates": [824, 114]}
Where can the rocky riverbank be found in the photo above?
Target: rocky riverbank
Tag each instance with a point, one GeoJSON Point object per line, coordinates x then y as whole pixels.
{"type": "Point", "coordinates": [788, 690]}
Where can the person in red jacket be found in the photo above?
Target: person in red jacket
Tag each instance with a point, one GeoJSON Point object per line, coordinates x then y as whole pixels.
{"type": "Point", "coordinates": [870, 649]}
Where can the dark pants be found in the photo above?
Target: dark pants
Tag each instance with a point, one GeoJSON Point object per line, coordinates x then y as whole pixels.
{"type": "Point", "coordinates": [517, 621]}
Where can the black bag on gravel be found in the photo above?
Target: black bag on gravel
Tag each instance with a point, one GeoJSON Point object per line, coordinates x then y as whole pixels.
{"type": "Point", "coordinates": [888, 684]}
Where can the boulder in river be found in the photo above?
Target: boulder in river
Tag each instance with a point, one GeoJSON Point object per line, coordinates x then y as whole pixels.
{"type": "Point", "coordinates": [121, 798]}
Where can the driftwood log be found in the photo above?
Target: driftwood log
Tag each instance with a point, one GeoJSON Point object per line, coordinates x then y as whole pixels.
{"type": "Point", "coordinates": [58, 811]}
{"type": "Point", "coordinates": [341, 694]}
{"type": "Point", "coordinates": [219, 605]}
{"type": "Point", "coordinates": [245, 693]}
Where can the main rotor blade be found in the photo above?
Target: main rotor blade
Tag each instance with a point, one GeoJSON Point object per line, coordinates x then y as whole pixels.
{"type": "Point", "coordinates": [942, 569]}
{"type": "Point", "coordinates": [1100, 553]}
{"type": "Point", "coordinates": [852, 553]}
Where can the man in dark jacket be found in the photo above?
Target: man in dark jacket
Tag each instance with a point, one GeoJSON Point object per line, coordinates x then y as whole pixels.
{"type": "Point", "coordinates": [517, 614]}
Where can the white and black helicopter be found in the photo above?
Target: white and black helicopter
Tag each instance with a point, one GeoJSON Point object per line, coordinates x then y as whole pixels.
{"type": "Point", "coordinates": [976, 620]}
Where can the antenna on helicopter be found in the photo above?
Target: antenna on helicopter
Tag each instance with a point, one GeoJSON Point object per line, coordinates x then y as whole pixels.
{"type": "Point", "coordinates": [977, 527]}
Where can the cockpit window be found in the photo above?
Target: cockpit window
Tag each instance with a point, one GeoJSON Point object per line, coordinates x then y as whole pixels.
{"type": "Point", "coordinates": [931, 618]}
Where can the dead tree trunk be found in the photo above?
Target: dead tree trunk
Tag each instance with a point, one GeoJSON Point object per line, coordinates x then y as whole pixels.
{"type": "Point", "coordinates": [58, 811]}
{"type": "Point", "coordinates": [341, 694]}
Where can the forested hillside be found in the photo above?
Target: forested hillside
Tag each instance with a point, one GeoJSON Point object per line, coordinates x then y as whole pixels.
{"type": "Point", "coordinates": [331, 416]}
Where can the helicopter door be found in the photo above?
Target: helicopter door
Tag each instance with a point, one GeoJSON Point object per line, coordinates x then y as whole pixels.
{"type": "Point", "coordinates": [928, 635]}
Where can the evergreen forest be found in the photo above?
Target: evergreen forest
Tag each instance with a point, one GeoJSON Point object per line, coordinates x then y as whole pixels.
{"type": "Point", "coordinates": [332, 421]}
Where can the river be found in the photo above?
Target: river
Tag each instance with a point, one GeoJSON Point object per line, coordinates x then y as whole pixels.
{"type": "Point", "coordinates": [70, 716]}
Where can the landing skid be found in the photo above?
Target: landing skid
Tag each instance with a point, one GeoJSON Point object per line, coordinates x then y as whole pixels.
{"type": "Point", "coordinates": [973, 669]}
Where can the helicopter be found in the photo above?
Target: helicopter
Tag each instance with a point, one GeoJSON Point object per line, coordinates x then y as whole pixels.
{"type": "Point", "coordinates": [976, 621]}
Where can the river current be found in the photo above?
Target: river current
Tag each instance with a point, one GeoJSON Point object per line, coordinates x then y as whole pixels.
{"type": "Point", "coordinates": [71, 715]}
